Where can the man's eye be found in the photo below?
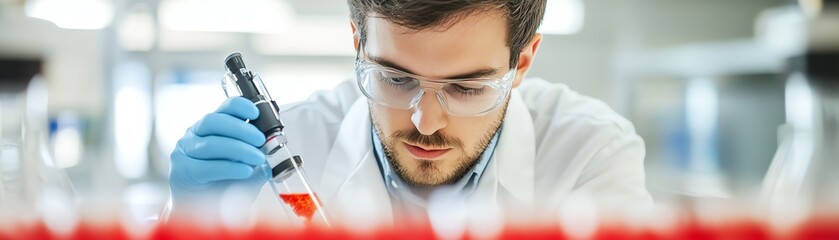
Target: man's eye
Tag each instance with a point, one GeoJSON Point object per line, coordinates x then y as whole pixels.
{"type": "Point", "coordinates": [399, 80]}
{"type": "Point", "coordinates": [472, 90]}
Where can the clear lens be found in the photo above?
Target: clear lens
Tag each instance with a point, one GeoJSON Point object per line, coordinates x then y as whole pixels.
{"type": "Point", "coordinates": [399, 90]}
{"type": "Point", "coordinates": [394, 89]}
{"type": "Point", "coordinates": [472, 100]}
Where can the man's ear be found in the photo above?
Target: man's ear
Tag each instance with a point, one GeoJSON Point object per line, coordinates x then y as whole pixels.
{"type": "Point", "coordinates": [355, 35]}
{"type": "Point", "coordinates": [526, 58]}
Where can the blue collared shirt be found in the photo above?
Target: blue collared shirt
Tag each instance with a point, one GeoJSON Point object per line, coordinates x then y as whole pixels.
{"type": "Point", "coordinates": [409, 198]}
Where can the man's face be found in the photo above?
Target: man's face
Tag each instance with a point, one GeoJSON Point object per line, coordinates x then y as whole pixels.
{"type": "Point", "coordinates": [425, 145]}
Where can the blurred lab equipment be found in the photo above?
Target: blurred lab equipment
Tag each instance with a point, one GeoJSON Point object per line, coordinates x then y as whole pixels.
{"type": "Point", "coordinates": [802, 179]}
{"type": "Point", "coordinates": [288, 180]}
{"type": "Point", "coordinates": [32, 186]}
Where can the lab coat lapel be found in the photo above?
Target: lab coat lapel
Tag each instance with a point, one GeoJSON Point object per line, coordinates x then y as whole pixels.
{"type": "Point", "coordinates": [352, 182]}
{"type": "Point", "coordinates": [511, 170]}
{"type": "Point", "coordinates": [352, 185]}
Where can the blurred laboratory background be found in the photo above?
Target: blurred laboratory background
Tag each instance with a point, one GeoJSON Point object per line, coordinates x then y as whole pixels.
{"type": "Point", "coordinates": [111, 85]}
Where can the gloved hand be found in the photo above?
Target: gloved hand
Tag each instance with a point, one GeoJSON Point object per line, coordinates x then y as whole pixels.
{"type": "Point", "coordinates": [219, 152]}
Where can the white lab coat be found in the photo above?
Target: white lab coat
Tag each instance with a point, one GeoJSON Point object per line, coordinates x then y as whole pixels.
{"type": "Point", "coordinates": [556, 143]}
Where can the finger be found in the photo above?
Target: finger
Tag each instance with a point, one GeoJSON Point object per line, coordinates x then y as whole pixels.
{"type": "Point", "coordinates": [204, 171]}
{"type": "Point", "coordinates": [216, 147]}
{"type": "Point", "coordinates": [224, 125]}
{"type": "Point", "coordinates": [239, 107]}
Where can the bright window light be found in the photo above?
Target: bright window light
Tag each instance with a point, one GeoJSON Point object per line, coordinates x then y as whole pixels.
{"type": "Point", "coordinates": [132, 119]}
{"type": "Point", "coordinates": [77, 14]}
{"type": "Point", "coordinates": [178, 106]}
{"type": "Point", "coordinates": [701, 106]}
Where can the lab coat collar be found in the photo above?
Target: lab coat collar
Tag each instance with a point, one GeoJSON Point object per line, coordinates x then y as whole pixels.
{"type": "Point", "coordinates": [351, 180]}
{"type": "Point", "coordinates": [514, 158]}
{"type": "Point", "coordinates": [351, 184]}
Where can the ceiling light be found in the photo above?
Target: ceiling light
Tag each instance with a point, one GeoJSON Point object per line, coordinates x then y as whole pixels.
{"type": "Point", "coordinates": [261, 16]}
{"type": "Point", "coordinates": [78, 14]}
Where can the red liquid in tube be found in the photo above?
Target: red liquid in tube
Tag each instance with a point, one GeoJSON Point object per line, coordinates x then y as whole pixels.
{"type": "Point", "coordinates": [301, 203]}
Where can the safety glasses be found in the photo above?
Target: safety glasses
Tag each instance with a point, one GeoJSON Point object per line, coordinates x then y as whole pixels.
{"type": "Point", "coordinates": [460, 97]}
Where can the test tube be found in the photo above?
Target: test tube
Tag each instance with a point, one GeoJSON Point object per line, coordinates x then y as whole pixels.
{"type": "Point", "coordinates": [288, 179]}
{"type": "Point", "coordinates": [292, 187]}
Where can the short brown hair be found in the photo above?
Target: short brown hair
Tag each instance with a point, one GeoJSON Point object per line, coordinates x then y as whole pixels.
{"type": "Point", "coordinates": [523, 16]}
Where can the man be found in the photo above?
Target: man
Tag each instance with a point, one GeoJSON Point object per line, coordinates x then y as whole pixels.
{"type": "Point", "coordinates": [439, 112]}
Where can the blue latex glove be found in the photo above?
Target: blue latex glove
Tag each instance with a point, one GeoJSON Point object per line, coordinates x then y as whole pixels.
{"type": "Point", "coordinates": [219, 152]}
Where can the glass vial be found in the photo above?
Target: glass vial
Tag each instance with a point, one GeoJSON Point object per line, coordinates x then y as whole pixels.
{"type": "Point", "coordinates": [291, 186]}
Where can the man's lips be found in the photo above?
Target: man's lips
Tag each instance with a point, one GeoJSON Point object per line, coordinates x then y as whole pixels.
{"type": "Point", "coordinates": [425, 153]}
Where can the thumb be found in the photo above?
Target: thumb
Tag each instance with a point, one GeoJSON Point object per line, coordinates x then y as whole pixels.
{"type": "Point", "coordinates": [252, 185]}
{"type": "Point", "coordinates": [261, 174]}
{"type": "Point", "coordinates": [246, 191]}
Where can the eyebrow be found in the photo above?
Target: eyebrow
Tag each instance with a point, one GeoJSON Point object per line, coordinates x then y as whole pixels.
{"type": "Point", "coordinates": [480, 73]}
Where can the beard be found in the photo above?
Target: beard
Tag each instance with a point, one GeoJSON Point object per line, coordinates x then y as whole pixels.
{"type": "Point", "coordinates": [431, 173]}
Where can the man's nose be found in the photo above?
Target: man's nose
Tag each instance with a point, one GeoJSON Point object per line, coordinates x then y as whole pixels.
{"type": "Point", "coordinates": [429, 116]}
